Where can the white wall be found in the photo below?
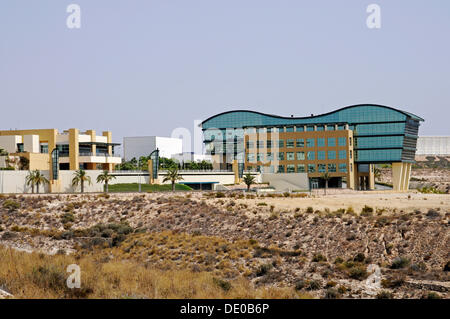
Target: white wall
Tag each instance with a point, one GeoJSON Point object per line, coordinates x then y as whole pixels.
{"type": "Point", "coordinates": [15, 182]}
{"type": "Point", "coordinates": [433, 145]}
{"type": "Point", "coordinates": [191, 157]}
{"type": "Point", "coordinates": [9, 142]}
{"type": "Point", "coordinates": [31, 143]}
{"type": "Point", "coordinates": [144, 145]}
{"type": "Point", "coordinates": [287, 181]}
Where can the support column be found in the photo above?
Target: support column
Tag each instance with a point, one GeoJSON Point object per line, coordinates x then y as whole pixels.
{"type": "Point", "coordinates": [371, 177]}
{"type": "Point", "coordinates": [74, 159]}
{"type": "Point", "coordinates": [407, 170]}
{"type": "Point", "coordinates": [150, 171]}
{"type": "Point", "coordinates": [109, 166]}
{"type": "Point", "coordinates": [397, 174]}
{"type": "Point", "coordinates": [236, 172]}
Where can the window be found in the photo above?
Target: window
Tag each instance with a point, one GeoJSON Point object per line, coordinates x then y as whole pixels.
{"type": "Point", "coordinates": [300, 156]}
{"type": "Point", "coordinates": [290, 156]}
{"type": "Point", "coordinates": [311, 156]}
{"type": "Point", "coordinates": [290, 143]}
{"type": "Point", "coordinates": [341, 127]}
{"type": "Point", "coordinates": [281, 156]}
{"type": "Point", "coordinates": [289, 129]}
{"type": "Point", "coordinates": [330, 128]}
{"type": "Point", "coordinates": [250, 144]}
{"type": "Point", "coordinates": [351, 167]}
{"type": "Point", "coordinates": [342, 154]}
{"type": "Point", "coordinates": [269, 156]}
{"type": "Point", "coordinates": [250, 157]}
{"type": "Point", "coordinates": [343, 168]}
{"type": "Point", "coordinates": [43, 148]}
{"type": "Point", "coordinates": [310, 128]}
{"type": "Point", "coordinates": [280, 169]}
{"type": "Point", "coordinates": [299, 128]}
{"type": "Point", "coordinates": [310, 142]}
{"type": "Point", "coordinates": [269, 144]}
{"type": "Point", "coordinates": [331, 141]}
{"type": "Point", "coordinates": [311, 168]}
{"type": "Point", "coordinates": [269, 130]}
{"type": "Point", "coordinates": [320, 142]}
{"type": "Point", "coordinates": [260, 157]}
{"type": "Point", "coordinates": [320, 128]}
{"type": "Point", "coordinates": [300, 168]}
{"type": "Point", "coordinates": [280, 129]}
{"type": "Point", "coordinates": [19, 147]}
{"type": "Point", "coordinates": [350, 141]}
{"type": "Point", "coordinates": [280, 143]}
{"type": "Point", "coordinates": [260, 130]}
{"type": "Point", "coordinates": [341, 141]}
{"type": "Point", "coordinates": [290, 168]}
{"type": "Point", "coordinates": [260, 144]}
{"type": "Point", "coordinates": [331, 155]}
{"type": "Point", "coordinates": [332, 168]}
{"type": "Point", "coordinates": [250, 130]}
{"type": "Point", "coordinates": [321, 168]}
{"type": "Point", "coordinates": [350, 154]}
{"type": "Point", "coordinates": [321, 155]}
{"type": "Point", "coordinates": [300, 142]}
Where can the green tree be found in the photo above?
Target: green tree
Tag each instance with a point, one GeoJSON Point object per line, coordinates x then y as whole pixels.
{"type": "Point", "coordinates": [377, 173]}
{"type": "Point", "coordinates": [173, 176]}
{"type": "Point", "coordinates": [326, 176]}
{"type": "Point", "coordinates": [3, 152]}
{"type": "Point", "coordinates": [105, 177]}
{"type": "Point", "coordinates": [249, 179]}
{"type": "Point", "coordinates": [36, 178]}
{"type": "Point", "coordinates": [80, 177]}
{"type": "Point", "coordinates": [166, 163]}
{"type": "Point", "coordinates": [30, 180]}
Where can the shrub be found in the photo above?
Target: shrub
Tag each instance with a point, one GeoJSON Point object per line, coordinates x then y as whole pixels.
{"type": "Point", "coordinates": [310, 210]}
{"type": "Point", "coordinates": [338, 260]}
{"type": "Point", "coordinates": [225, 285]}
{"type": "Point", "coordinates": [220, 195]}
{"type": "Point", "coordinates": [433, 213]}
{"type": "Point", "coordinates": [300, 284]}
{"type": "Point", "coordinates": [274, 216]}
{"type": "Point", "coordinates": [11, 205]}
{"type": "Point", "coordinates": [384, 295]}
{"type": "Point", "coordinates": [433, 295]}
{"type": "Point", "coordinates": [350, 210]}
{"type": "Point", "coordinates": [263, 269]}
{"type": "Point", "coordinates": [262, 204]}
{"type": "Point", "coordinates": [332, 293]}
{"type": "Point", "coordinates": [318, 258]}
{"type": "Point", "coordinates": [447, 266]}
{"type": "Point", "coordinates": [367, 211]}
{"type": "Point", "coordinates": [358, 272]}
{"type": "Point", "coordinates": [400, 262]}
{"type": "Point", "coordinates": [360, 257]}
{"type": "Point", "coordinates": [314, 285]}
{"type": "Point", "coordinates": [67, 218]}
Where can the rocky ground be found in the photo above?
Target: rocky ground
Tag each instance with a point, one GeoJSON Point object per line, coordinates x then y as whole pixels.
{"type": "Point", "coordinates": [331, 249]}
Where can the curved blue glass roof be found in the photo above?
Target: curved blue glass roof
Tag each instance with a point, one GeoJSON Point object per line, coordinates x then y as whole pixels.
{"type": "Point", "coordinates": [362, 113]}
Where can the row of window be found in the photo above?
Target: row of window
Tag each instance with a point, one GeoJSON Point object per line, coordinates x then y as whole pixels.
{"type": "Point", "coordinates": [300, 142]}
{"type": "Point", "coordinates": [299, 156]}
{"type": "Point", "coordinates": [300, 128]}
{"type": "Point", "coordinates": [303, 168]}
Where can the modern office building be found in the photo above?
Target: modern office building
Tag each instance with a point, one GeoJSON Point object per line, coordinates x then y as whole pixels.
{"type": "Point", "coordinates": [345, 143]}
{"type": "Point", "coordinates": [77, 149]}
{"type": "Point", "coordinates": [135, 147]}
{"type": "Point", "coordinates": [433, 145]}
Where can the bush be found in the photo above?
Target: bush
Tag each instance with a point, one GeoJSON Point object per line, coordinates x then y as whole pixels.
{"type": "Point", "coordinates": [310, 210]}
{"type": "Point", "coordinates": [367, 211]}
{"type": "Point", "coordinates": [384, 295]}
{"type": "Point", "coordinates": [11, 205]}
{"type": "Point", "coordinates": [225, 285]}
{"type": "Point", "coordinates": [314, 285]}
{"type": "Point", "coordinates": [318, 258]}
{"type": "Point", "coordinates": [300, 284]}
{"type": "Point", "coordinates": [67, 218]}
{"type": "Point", "coordinates": [400, 262]}
{"type": "Point", "coordinates": [447, 266]}
{"type": "Point", "coordinates": [360, 257]}
{"type": "Point", "coordinates": [358, 272]}
{"type": "Point", "coordinates": [433, 214]}
{"type": "Point", "coordinates": [263, 269]}
{"type": "Point", "coordinates": [433, 295]}
{"type": "Point", "coordinates": [332, 293]}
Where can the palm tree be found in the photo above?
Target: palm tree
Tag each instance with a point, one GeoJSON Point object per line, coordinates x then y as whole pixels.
{"type": "Point", "coordinates": [249, 179]}
{"type": "Point", "coordinates": [172, 176]}
{"type": "Point", "coordinates": [79, 178]}
{"type": "Point", "coordinates": [326, 176]}
{"type": "Point", "coordinates": [105, 177]}
{"type": "Point", "coordinates": [377, 173]}
{"type": "Point", "coordinates": [30, 180]}
{"type": "Point", "coordinates": [39, 179]}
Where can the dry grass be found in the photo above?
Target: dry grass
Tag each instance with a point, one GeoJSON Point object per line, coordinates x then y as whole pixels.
{"type": "Point", "coordinates": [41, 276]}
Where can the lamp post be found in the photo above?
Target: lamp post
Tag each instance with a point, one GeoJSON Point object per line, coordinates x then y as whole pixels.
{"type": "Point", "coordinates": [139, 173]}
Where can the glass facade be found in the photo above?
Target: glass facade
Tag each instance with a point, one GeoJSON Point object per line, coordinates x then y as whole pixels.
{"type": "Point", "coordinates": [381, 133]}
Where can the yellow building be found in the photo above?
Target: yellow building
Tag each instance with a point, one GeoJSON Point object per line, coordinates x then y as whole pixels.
{"type": "Point", "coordinates": [77, 149]}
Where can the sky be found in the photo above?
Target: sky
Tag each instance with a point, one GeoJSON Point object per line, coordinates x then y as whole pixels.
{"type": "Point", "coordinates": [147, 67]}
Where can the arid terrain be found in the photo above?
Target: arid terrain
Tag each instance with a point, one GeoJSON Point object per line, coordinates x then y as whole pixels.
{"type": "Point", "coordinates": [227, 245]}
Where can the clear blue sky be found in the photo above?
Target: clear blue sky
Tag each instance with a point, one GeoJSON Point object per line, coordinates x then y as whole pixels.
{"type": "Point", "coordinates": [145, 67]}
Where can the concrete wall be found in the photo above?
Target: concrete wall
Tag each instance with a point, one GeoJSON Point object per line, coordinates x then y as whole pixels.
{"type": "Point", "coordinates": [144, 145]}
{"type": "Point", "coordinates": [9, 143]}
{"type": "Point", "coordinates": [202, 177]}
{"type": "Point", "coordinates": [31, 143]}
{"type": "Point", "coordinates": [287, 181]}
{"type": "Point", "coordinates": [15, 182]}
{"type": "Point", "coordinates": [433, 145]}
